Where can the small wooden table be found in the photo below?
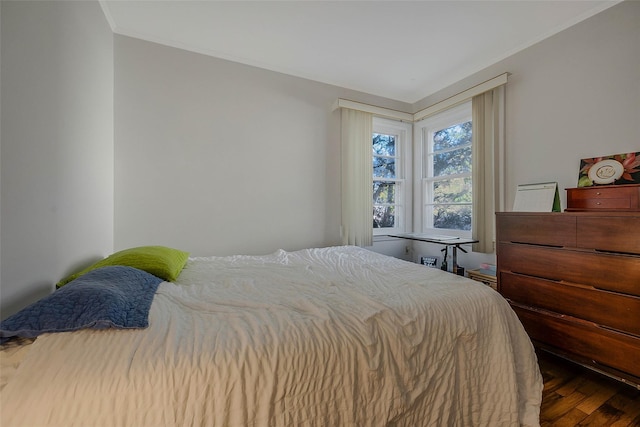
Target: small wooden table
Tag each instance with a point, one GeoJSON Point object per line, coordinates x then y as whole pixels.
{"type": "Point", "coordinates": [487, 277]}
{"type": "Point", "coordinates": [454, 242]}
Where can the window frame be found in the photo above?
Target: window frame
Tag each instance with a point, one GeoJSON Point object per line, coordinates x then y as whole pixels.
{"type": "Point", "coordinates": [423, 136]}
{"type": "Point", "coordinates": [404, 182]}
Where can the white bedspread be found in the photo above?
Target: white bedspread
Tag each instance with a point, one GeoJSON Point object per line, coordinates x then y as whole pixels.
{"type": "Point", "coordinates": [320, 337]}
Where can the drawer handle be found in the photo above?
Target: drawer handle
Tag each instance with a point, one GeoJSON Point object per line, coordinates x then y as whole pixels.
{"type": "Point", "coordinates": [598, 203]}
{"type": "Point", "coordinates": [598, 193]}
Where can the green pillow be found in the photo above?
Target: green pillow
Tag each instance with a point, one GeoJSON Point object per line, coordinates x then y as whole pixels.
{"type": "Point", "coordinates": [163, 262]}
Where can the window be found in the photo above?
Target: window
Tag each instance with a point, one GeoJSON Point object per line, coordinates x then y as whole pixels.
{"type": "Point", "coordinates": [445, 159]}
{"type": "Point", "coordinates": [391, 146]}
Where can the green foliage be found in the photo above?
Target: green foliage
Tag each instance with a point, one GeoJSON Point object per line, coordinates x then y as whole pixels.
{"type": "Point", "coordinates": [455, 190]}
{"type": "Point", "coordinates": [384, 217]}
{"type": "Point", "coordinates": [453, 197]}
{"type": "Point", "coordinates": [384, 167]}
{"type": "Point", "coordinates": [454, 136]}
{"type": "Point", "coordinates": [384, 193]}
{"type": "Point", "coordinates": [384, 151]}
{"type": "Point", "coordinates": [384, 145]}
{"type": "Point", "coordinates": [452, 150]}
{"type": "Point", "coordinates": [453, 217]}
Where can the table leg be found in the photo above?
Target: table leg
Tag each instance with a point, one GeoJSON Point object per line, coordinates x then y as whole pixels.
{"type": "Point", "coordinates": [455, 259]}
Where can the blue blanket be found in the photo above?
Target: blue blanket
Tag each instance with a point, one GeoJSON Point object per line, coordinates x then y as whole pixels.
{"type": "Point", "coordinates": [109, 297]}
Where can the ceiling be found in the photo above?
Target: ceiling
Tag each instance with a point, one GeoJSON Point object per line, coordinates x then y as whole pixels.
{"type": "Point", "coordinates": [402, 50]}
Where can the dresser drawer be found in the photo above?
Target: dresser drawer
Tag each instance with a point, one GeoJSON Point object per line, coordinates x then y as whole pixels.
{"type": "Point", "coordinates": [611, 233]}
{"type": "Point", "coordinates": [618, 273]}
{"type": "Point", "coordinates": [615, 197]}
{"type": "Point", "coordinates": [537, 229]}
{"type": "Point", "coordinates": [605, 308]}
{"type": "Point", "coordinates": [584, 339]}
{"type": "Point", "coordinates": [605, 204]}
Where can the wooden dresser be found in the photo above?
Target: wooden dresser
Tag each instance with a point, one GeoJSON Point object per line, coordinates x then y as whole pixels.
{"type": "Point", "coordinates": [604, 198]}
{"type": "Point", "coordinates": [573, 278]}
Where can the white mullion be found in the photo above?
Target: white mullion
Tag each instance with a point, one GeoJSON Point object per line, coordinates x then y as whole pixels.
{"type": "Point", "coordinates": [398, 180]}
{"type": "Point", "coordinates": [447, 150]}
{"type": "Point", "coordinates": [447, 177]}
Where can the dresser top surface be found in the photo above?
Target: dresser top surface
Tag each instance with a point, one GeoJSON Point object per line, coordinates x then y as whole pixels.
{"type": "Point", "coordinates": [580, 213]}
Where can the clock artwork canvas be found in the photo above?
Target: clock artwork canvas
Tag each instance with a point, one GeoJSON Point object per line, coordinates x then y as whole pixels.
{"type": "Point", "coordinates": [616, 169]}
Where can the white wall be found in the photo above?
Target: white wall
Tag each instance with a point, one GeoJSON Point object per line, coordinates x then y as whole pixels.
{"type": "Point", "coordinates": [0, 159]}
{"type": "Point", "coordinates": [195, 137]}
{"type": "Point", "coordinates": [219, 158]}
{"type": "Point", "coordinates": [57, 145]}
{"type": "Point", "coordinates": [572, 96]}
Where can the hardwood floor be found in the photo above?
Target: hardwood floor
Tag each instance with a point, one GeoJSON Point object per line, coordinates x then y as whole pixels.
{"type": "Point", "coordinates": [576, 396]}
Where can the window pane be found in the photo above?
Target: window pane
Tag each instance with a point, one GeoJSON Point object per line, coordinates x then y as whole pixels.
{"type": "Point", "coordinates": [384, 145]}
{"type": "Point", "coordinates": [384, 216]}
{"type": "Point", "coordinates": [384, 167]}
{"type": "Point", "coordinates": [452, 217]}
{"type": "Point", "coordinates": [384, 192]}
{"type": "Point", "coordinates": [456, 190]}
{"type": "Point", "coordinates": [452, 162]}
{"type": "Point", "coordinates": [453, 136]}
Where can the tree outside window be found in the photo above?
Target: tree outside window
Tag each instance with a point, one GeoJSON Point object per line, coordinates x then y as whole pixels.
{"type": "Point", "coordinates": [392, 185]}
{"type": "Point", "coordinates": [384, 181]}
{"type": "Point", "coordinates": [446, 170]}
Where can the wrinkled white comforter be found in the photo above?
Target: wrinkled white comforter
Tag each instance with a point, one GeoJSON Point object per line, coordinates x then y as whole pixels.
{"type": "Point", "coordinates": [321, 337]}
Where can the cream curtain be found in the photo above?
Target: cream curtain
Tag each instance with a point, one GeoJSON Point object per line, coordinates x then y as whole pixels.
{"type": "Point", "coordinates": [357, 178]}
{"type": "Point", "coordinates": [488, 166]}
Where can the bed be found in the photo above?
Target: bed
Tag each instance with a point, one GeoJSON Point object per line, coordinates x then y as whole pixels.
{"type": "Point", "coordinates": [337, 336]}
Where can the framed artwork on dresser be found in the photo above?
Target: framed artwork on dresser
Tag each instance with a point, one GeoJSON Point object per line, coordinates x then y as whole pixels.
{"type": "Point", "coordinates": [615, 169]}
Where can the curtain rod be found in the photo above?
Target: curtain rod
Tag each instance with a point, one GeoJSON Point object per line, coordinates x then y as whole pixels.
{"type": "Point", "coordinates": [461, 97]}
{"type": "Point", "coordinates": [375, 110]}
{"type": "Point", "coordinates": [433, 109]}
